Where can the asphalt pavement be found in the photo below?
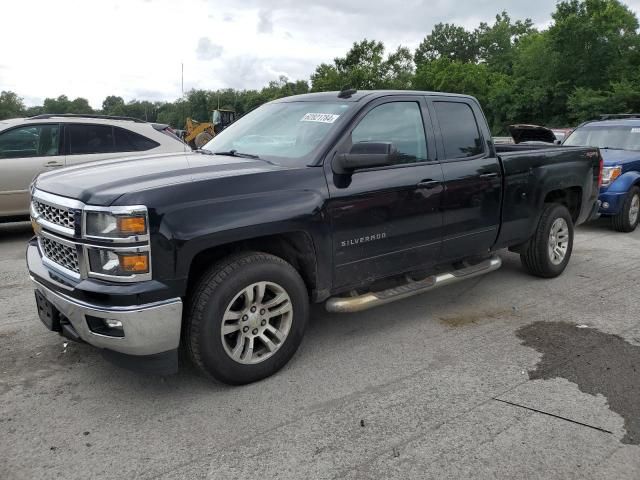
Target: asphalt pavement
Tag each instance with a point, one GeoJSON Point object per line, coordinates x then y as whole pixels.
{"type": "Point", "coordinates": [503, 376]}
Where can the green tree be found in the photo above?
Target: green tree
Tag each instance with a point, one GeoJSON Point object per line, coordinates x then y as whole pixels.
{"type": "Point", "coordinates": [497, 43]}
{"type": "Point", "coordinates": [537, 95]}
{"type": "Point", "coordinates": [113, 105]}
{"type": "Point", "coordinates": [448, 41]}
{"type": "Point", "coordinates": [11, 105]}
{"type": "Point", "coordinates": [366, 67]}
{"type": "Point", "coordinates": [62, 104]}
{"type": "Point", "coordinates": [596, 42]}
{"type": "Point", "coordinates": [621, 97]}
{"type": "Point", "coordinates": [33, 111]}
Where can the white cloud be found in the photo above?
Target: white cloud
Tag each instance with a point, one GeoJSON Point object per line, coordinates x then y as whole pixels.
{"type": "Point", "coordinates": [207, 50]}
{"type": "Point", "coordinates": [265, 21]}
{"type": "Point", "coordinates": [135, 48]}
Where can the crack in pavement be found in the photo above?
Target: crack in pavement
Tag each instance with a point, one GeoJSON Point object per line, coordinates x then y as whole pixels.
{"type": "Point", "coordinates": [553, 415]}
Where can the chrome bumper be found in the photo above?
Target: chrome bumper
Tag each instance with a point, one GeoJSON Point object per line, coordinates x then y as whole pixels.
{"type": "Point", "coordinates": [148, 329]}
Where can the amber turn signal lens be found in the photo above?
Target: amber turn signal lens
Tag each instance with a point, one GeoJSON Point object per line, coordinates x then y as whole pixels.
{"type": "Point", "coordinates": [615, 174]}
{"type": "Point", "coordinates": [134, 263]}
{"type": "Point", "coordinates": [132, 225]}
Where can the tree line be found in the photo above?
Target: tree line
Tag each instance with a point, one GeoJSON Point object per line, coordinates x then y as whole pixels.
{"type": "Point", "coordinates": [586, 62]}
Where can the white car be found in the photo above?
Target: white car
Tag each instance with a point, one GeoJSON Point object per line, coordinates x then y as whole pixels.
{"type": "Point", "coordinates": [30, 146]}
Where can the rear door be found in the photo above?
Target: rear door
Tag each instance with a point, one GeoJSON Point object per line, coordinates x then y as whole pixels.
{"type": "Point", "coordinates": [387, 220]}
{"type": "Point", "coordinates": [92, 142]}
{"type": "Point", "coordinates": [472, 175]}
{"type": "Point", "coordinates": [25, 152]}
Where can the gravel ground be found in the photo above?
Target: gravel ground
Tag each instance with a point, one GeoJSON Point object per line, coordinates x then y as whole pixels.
{"type": "Point", "coordinates": [504, 376]}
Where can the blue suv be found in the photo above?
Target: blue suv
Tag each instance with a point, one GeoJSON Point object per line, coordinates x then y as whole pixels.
{"type": "Point", "coordinates": [618, 137]}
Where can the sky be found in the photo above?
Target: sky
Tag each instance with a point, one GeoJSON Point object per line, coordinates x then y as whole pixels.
{"type": "Point", "coordinates": [135, 48]}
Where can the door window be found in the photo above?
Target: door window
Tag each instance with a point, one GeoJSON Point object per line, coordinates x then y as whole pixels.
{"type": "Point", "coordinates": [30, 141]}
{"type": "Point", "coordinates": [128, 141]}
{"type": "Point", "coordinates": [85, 139]}
{"type": "Point", "coordinates": [399, 123]}
{"type": "Point", "coordinates": [460, 134]}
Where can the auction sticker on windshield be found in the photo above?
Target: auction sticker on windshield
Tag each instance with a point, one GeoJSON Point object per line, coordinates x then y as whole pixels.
{"type": "Point", "coordinates": [320, 117]}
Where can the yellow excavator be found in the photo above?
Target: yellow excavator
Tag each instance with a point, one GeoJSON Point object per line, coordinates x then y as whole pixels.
{"type": "Point", "coordinates": [197, 134]}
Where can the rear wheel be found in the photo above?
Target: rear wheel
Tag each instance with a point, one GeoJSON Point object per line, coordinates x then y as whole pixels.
{"type": "Point", "coordinates": [549, 250]}
{"type": "Point", "coordinates": [627, 219]}
{"type": "Point", "coordinates": [246, 318]}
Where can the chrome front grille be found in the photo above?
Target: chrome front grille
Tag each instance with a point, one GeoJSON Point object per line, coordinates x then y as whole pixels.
{"type": "Point", "coordinates": [62, 217]}
{"type": "Point", "coordinates": [61, 254]}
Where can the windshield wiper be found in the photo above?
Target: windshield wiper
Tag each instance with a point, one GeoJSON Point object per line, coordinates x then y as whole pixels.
{"type": "Point", "coordinates": [235, 153]}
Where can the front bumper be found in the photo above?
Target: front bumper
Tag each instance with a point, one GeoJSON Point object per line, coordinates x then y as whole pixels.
{"type": "Point", "coordinates": [148, 327]}
{"type": "Point", "coordinates": [612, 202]}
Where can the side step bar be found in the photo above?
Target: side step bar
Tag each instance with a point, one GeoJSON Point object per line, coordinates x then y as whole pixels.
{"type": "Point", "coordinates": [375, 299]}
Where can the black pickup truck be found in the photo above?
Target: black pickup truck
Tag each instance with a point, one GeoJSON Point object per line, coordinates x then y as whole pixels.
{"type": "Point", "coordinates": [351, 198]}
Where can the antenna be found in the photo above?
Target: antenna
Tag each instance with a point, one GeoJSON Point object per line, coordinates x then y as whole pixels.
{"type": "Point", "coordinates": [347, 92]}
{"type": "Point", "coordinates": [182, 78]}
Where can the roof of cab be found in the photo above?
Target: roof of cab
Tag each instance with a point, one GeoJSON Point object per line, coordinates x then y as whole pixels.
{"type": "Point", "coordinates": [361, 94]}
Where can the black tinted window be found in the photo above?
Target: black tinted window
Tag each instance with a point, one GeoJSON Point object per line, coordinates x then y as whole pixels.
{"type": "Point", "coordinates": [90, 139]}
{"type": "Point", "coordinates": [128, 141]}
{"type": "Point", "coordinates": [399, 123]}
{"type": "Point", "coordinates": [459, 128]}
{"type": "Point", "coordinates": [30, 141]}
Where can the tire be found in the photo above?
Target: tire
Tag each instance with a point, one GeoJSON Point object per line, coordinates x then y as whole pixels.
{"type": "Point", "coordinates": [222, 294]}
{"type": "Point", "coordinates": [202, 139]}
{"type": "Point", "coordinates": [627, 220]}
{"type": "Point", "coordinates": [538, 258]}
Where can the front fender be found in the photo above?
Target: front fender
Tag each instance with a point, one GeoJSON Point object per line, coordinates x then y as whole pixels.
{"type": "Point", "coordinates": [613, 196]}
{"type": "Point", "coordinates": [623, 183]}
{"type": "Point", "coordinates": [200, 227]}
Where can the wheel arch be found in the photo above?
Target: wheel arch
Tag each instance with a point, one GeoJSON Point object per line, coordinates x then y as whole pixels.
{"type": "Point", "coordinates": [570, 197]}
{"type": "Point", "coordinates": [624, 182]}
{"type": "Point", "coordinates": [295, 247]}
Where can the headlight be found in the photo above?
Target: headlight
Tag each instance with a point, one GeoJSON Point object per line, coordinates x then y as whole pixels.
{"type": "Point", "coordinates": [129, 263]}
{"type": "Point", "coordinates": [113, 224]}
{"type": "Point", "coordinates": [609, 174]}
{"type": "Point", "coordinates": [127, 258]}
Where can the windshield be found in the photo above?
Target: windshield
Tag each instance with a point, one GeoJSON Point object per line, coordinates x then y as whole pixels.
{"type": "Point", "coordinates": [281, 132]}
{"type": "Point", "coordinates": [606, 136]}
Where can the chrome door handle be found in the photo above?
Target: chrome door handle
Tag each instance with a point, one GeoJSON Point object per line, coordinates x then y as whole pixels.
{"type": "Point", "coordinates": [489, 175]}
{"type": "Point", "coordinates": [54, 164]}
{"type": "Point", "coordinates": [429, 184]}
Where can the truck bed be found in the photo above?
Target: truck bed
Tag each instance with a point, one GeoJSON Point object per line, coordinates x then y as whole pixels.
{"type": "Point", "coordinates": [532, 172]}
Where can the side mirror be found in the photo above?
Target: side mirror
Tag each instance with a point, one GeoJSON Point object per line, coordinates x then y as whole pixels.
{"type": "Point", "coordinates": [364, 155]}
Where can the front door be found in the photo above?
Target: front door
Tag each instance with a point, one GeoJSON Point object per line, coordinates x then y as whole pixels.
{"type": "Point", "coordinates": [387, 220]}
{"type": "Point", "coordinates": [25, 152]}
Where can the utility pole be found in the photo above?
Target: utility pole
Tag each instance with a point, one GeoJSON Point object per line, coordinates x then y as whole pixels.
{"type": "Point", "coordinates": [182, 78]}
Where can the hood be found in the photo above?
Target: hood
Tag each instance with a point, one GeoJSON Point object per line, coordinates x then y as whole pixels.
{"type": "Point", "coordinates": [531, 133]}
{"type": "Point", "coordinates": [618, 157]}
{"type": "Point", "coordinates": [103, 182]}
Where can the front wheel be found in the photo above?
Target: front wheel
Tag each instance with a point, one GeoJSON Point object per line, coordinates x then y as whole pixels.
{"type": "Point", "coordinates": [627, 220]}
{"type": "Point", "coordinates": [549, 250]}
{"type": "Point", "coordinates": [246, 318]}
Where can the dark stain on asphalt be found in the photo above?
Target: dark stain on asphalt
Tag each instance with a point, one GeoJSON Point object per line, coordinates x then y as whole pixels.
{"type": "Point", "coordinates": [473, 318]}
{"type": "Point", "coordinates": [597, 362]}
